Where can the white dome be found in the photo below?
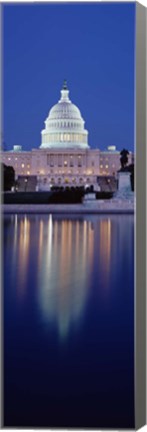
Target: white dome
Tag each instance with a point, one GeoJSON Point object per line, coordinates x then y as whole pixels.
{"type": "Point", "coordinates": [63, 110]}
{"type": "Point", "coordinates": [64, 126]}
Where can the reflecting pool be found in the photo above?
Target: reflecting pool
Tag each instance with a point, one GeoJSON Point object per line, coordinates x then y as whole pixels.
{"type": "Point", "coordinates": [69, 321]}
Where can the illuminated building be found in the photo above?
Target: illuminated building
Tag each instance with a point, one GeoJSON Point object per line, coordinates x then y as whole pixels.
{"type": "Point", "coordinates": [64, 156]}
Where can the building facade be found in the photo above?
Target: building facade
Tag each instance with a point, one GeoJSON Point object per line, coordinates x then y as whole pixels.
{"type": "Point", "coordinates": [64, 156]}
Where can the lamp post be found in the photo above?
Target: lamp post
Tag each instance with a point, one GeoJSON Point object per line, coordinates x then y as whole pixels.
{"type": "Point", "coordinates": [26, 182]}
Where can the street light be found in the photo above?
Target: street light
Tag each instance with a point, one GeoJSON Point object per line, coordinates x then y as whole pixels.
{"type": "Point", "coordinates": [26, 181]}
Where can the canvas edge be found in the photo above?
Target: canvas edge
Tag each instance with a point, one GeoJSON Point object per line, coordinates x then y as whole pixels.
{"type": "Point", "coordinates": [141, 211]}
{"type": "Point", "coordinates": [1, 265]}
{"type": "Point", "coordinates": [140, 225]}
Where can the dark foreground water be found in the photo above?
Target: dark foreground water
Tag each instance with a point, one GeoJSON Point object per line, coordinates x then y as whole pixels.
{"type": "Point", "coordinates": [68, 321]}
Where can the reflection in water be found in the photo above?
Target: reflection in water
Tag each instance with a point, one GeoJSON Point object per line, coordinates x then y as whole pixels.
{"type": "Point", "coordinates": [15, 239]}
{"type": "Point", "coordinates": [105, 247]}
{"type": "Point", "coordinates": [17, 242]}
{"type": "Point", "coordinates": [64, 270]}
{"type": "Point", "coordinates": [40, 242]}
{"type": "Point", "coordinates": [62, 255]}
{"type": "Point", "coordinates": [69, 279]}
{"type": "Point", "coordinates": [23, 253]}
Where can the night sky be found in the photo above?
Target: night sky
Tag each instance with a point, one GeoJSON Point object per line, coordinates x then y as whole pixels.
{"type": "Point", "coordinates": [92, 46]}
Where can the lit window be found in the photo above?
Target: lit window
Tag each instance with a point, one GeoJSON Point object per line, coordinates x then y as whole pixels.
{"type": "Point", "coordinates": [106, 166]}
{"type": "Point", "coordinates": [9, 158]}
{"type": "Point", "coordinates": [28, 166]}
{"type": "Point", "coordinates": [28, 172]}
{"type": "Point", "coordinates": [15, 158]}
{"type": "Point", "coordinates": [65, 163]}
{"type": "Point", "coordinates": [101, 166]}
{"type": "Point", "coordinates": [22, 165]}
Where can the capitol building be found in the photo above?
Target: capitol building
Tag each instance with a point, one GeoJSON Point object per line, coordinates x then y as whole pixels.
{"type": "Point", "coordinates": [64, 157]}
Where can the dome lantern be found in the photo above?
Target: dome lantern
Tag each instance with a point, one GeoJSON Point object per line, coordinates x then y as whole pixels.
{"type": "Point", "coordinates": [64, 85]}
{"type": "Point", "coordinates": [64, 93]}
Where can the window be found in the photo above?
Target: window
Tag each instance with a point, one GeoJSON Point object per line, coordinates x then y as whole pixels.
{"type": "Point", "coordinates": [79, 161]}
{"type": "Point", "coordinates": [51, 160]}
{"type": "Point", "coordinates": [60, 160]}
{"type": "Point", "coordinates": [106, 166]}
{"type": "Point", "coordinates": [65, 163]}
{"type": "Point", "coordinates": [71, 161]}
{"type": "Point", "coordinates": [9, 158]}
{"type": "Point", "coordinates": [22, 165]}
{"type": "Point", "coordinates": [101, 166]}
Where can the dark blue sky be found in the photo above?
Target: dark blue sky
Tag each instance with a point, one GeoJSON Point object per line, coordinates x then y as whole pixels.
{"type": "Point", "coordinates": [92, 46]}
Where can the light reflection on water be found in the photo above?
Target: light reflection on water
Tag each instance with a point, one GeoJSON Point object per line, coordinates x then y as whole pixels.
{"type": "Point", "coordinates": [64, 271]}
{"type": "Point", "coordinates": [68, 291]}
{"type": "Point", "coordinates": [63, 253]}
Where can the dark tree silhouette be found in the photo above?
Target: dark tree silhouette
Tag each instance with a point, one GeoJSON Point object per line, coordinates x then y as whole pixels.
{"type": "Point", "coordinates": [8, 177]}
{"type": "Point", "coordinates": [124, 158]}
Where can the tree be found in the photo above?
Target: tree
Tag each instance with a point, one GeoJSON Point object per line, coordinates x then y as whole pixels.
{"type": "Point", "coordinates": [124, 158]}
{"type": "Point", "coordinates": [8, 177]}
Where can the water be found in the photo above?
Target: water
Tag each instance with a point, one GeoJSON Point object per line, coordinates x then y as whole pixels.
{"type": "Point", "coordinates": [69, 321]}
